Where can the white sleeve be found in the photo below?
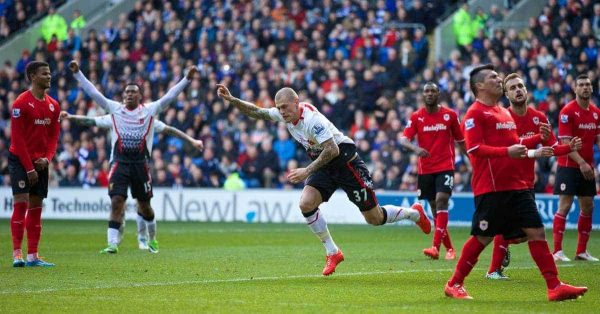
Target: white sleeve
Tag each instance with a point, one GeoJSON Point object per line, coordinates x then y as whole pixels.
{"type": "Point", "coordinates": [275, 115]}
{"type": "Point", "coordinates": [320, 130]}
{"type": "Point", "coordinates": [108, 105]}
{"type": "Point", "coordinates": [104, 122]}
{"type": "Point", "coordinates": [159, 126]}
{"type": "Point", "coordinates": [158, 106]}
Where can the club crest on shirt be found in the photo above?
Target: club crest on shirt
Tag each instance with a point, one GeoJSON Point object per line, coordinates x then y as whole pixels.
{"type": "Point", "coordinates": [469, 124]}
{"type": "Point", "coordinates": [319, 129]}
{"type": "Point", "coordinates": [595, 116]}
{"type": "Point", "coordinates": [536, 120]}
{"type": "Point", "coordinates": [51, 106]}
{"type": "Point", "coordinates": [446, 117]}
{"type": "Point", "coordinates": [563, 186]}
{"type": "Point", "coordinates": [16, 112]}
{"type": "Point", "coordinates": [564, 118]}
{"type": "Point", "coordinates": [483, 225]}
{"type": "Point", "coordinates": [22, 184]}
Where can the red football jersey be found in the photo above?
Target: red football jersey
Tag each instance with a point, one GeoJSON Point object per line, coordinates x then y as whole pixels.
{"type": "Point", "coordinates": [576, 121]}
{"type": "Point", "coordinates": [436, 132]}
{"type": "Point", "coordinates": [492, 126]}
{"type": "Point", "coordinates": [528, 126]}
{"type": "Point", "coordinates": [34, 128]}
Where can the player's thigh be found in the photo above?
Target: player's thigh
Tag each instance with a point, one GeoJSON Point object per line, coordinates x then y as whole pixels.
{"type": "Point", "coordinates": [141, 181]}
{"type": "Point", "coordinates": [488, 219]}
{"type": "Point", "coordinates": [567, 181]}
{"type": "Point", "coordinates": [18, 176]}
{"type": "Point", "coordinates": [356, 181]}
{"type": "Point", "coordinates": [320, 181]}
{"type": "Point", "coordinates": [118, 180]}
{"type": "Point", "coordinates": [310, 199]}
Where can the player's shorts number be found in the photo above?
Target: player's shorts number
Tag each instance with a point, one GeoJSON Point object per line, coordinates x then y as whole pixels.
{"type": "Point", "coordinates": [360, 195]}
{"type": "Point", "coordinates": [147, 187]}
{"type": "Point", "coordinates": [449, 182]}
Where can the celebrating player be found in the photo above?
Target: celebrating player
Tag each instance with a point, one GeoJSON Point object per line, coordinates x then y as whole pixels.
{"type": "Point", "coordinates": [503, 203]}
{"type": "Point", "coordinates": [528, 122]}
{"type": "Point", "coordinates": [132, 135]}
{"type": "Point", "coordinates": [575, 173]}
{"type": "Point", "coordinates": [335, 164]}
{"type": "Point", "coordinates": [436, 128]}
{"type": "Point", "coordinates": [34, 137]}
{"type": "Point", "coordinates": [146, 232]}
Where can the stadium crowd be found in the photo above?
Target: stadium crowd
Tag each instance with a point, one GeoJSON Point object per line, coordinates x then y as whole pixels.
{"type": "Point", "coordinates": [356, 61]}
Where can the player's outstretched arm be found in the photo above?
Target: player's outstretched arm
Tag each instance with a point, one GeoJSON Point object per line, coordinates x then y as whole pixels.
{"type": "Point", "coordinates": [421, 152]}
{"type": "Point", "coordinates": [245, 107]}
{"type": "Point", "coordinates": [161, 104]}
{"type": "Point", "coordinates": [81, 120]}
{"type": "Point", "coordinates": [108, 105]}
{"type": "Point", "coordinates": [169, 130]}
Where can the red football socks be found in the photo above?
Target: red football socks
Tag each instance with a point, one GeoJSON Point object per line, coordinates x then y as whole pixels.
{"type": "Point", "coordinates": [558, 229]}
{"type": "Point", "coordinates": [17, 224]}
{"type": "Point", "coordinates": [468, 258]}
{"type": "Point", "coordinates": [541, 255]}
{"type": "Point", "coordinates": [498, 253]}
{"type": "Point", "coordinates": [584, 227]}
{"type": "Point", "coordinates": [441, 223]}
{"type": "Point", "coordinates": [33, 224]}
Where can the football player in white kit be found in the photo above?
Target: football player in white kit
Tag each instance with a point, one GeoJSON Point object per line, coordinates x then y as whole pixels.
{"type": "Point", "coordinates": [132, 136]}
{"type": "Point", "coordinates": [335, 164]}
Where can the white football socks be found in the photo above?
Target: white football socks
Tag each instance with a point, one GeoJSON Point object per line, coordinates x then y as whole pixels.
{"type": "Point", "coordinates": [397, 213]}
{"type": "Point", "coordinates": [316, 222]}
{"type": "Point", "coordinates": [142, 229]}
{"type": "Point", "coordinates": [151, 225]}
{"type": "Point", "coordinates": [113, 236]}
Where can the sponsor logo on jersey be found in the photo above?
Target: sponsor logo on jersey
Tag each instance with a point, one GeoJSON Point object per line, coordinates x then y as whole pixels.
{"type": "Point", "coordinates": [421, 119]}
{"type": "Point", "coordinates": [31, 104]}
{"type": "Point", "coordinates": [506, 126]}
{"type": "Point", "coordinates": [16, 113]}
{"type": "Point", "coordinates": [446, 117]}
{"type": "Point", "coordinates": [469, 124]}
{"type": "Point", "coordinates": [483, 225]}
{"type": "Point", "coordinates": [434, 128]}
{"type": "Point", "coordinates": [564, 118]}
{"type": "Point", "coordinates": [577, 113]}
{"type": "Point", "coordinates": [42, 121]}
{"type": "Point", "coordinates": [587, 126]}
{"type": "Point", "coordinates": [536, 120]}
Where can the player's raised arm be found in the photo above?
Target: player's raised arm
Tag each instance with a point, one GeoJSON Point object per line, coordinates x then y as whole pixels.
{"type": "Point", "coordinates": [245, 107]}
{"type": "Point", "coordinates": [161, 127]}
{"type": "Point", "coordinates": [108, 105]}
{"type": "Point", "coordinates": [161, 104]}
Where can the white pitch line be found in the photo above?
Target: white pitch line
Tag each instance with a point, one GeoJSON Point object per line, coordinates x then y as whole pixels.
{"type": "Point", "coordinates": [236, 280]}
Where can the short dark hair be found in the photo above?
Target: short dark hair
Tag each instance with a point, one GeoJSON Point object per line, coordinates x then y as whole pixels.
{"type": "Point", "coordinates": [582, 77]}
{"type": "Point", "coordinates": [476, 77]}
{"type": "Point", "coordinates": [431, 84]}
{"type": "Point", "coordinates": [133, 84]}
{"type": "Point", "coordinates": [32, 68]}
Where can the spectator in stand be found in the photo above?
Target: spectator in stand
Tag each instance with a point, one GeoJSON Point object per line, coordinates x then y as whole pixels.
{"type": "Point", "coordinates": [54, 24]}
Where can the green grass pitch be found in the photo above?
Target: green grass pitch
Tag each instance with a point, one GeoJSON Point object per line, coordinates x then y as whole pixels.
{"type": "Point", "coordinates": [238, 267]}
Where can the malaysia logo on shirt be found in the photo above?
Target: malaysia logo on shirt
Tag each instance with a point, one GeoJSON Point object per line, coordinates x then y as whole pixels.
{"type": "Point", "coordinates": [16, 113]}
{"type": "Point", "coordinates": [469, 124]}
{"type": "Point", "coordinates": [564, 118]}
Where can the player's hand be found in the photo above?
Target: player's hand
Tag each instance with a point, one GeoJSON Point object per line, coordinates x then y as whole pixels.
{"type": "Point", "coordinates": [421, 152]}
{"type": "Point", "coordinates": [587, 171]}
{"type": "Point", "coordinates": [544, 151]}
{"type": "Point", "coordinates": [74, 66]}
{"type": "Point", "coordinates": [198, 144]}
{"type": "Point", "coordinates": [63, 115]}
{"type": "Point", "coordinates": [575, 144]}
{"type": "Point", "coordinates": [223, 92]}
{"type": "Point", "coordinates": [545, 131]}
{"type": "Point", "coordinates": [297, 175]}
{"type": "Point", "coordinates": [41, 164]}
{"type": "Point", "coordinates": [32, 177]}
{"type": "Point", "coordinates": [192, 70]}
{"type": "Point", "coordinates": [517, 151]}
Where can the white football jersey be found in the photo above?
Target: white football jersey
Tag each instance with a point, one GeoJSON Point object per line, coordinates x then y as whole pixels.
{"type": "Point", "coordinates": [132, 130]}
{"type": "Point", "coordinates": [312, 129]}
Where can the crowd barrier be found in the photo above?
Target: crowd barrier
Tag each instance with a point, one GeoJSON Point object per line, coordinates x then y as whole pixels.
{"type": "Point", "coordinates": [253, 206]}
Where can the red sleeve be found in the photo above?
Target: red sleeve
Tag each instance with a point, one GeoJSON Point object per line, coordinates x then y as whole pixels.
{"type": "Point", "coordinates": [411, 129]}
{"type": "Point", "coordinates": [53, 131]}
{"type": "Point", "coordinates": [455, 127]}
{"type": "Point", "coordinates": [560, 150]}
{"type": "Point", "coordinates": [489, 151]}
{"type": "Point", "coordinates": [564, 125]}
{"type": "Point", "coordinates": [532, 141]}
{"type": "Point", "coordinates": [18, 120]}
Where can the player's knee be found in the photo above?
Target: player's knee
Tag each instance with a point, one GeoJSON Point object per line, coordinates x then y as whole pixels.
{"type": "Point", "coordinates": [117, 202]}
{"type": "Point", "coordinates": [307, 205]}
{"type": "Point", "coordinates": [21, 198]}
{"type": "Point", "coordinates": [536, 234]}
{"type": "Point", "coordinates": [373, 220]}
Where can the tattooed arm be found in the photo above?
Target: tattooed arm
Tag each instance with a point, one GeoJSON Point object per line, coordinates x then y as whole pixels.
{"type": "Point", "coordinates": [245, 107]}
{"type": "Point", "coordinates": [330, 151]}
